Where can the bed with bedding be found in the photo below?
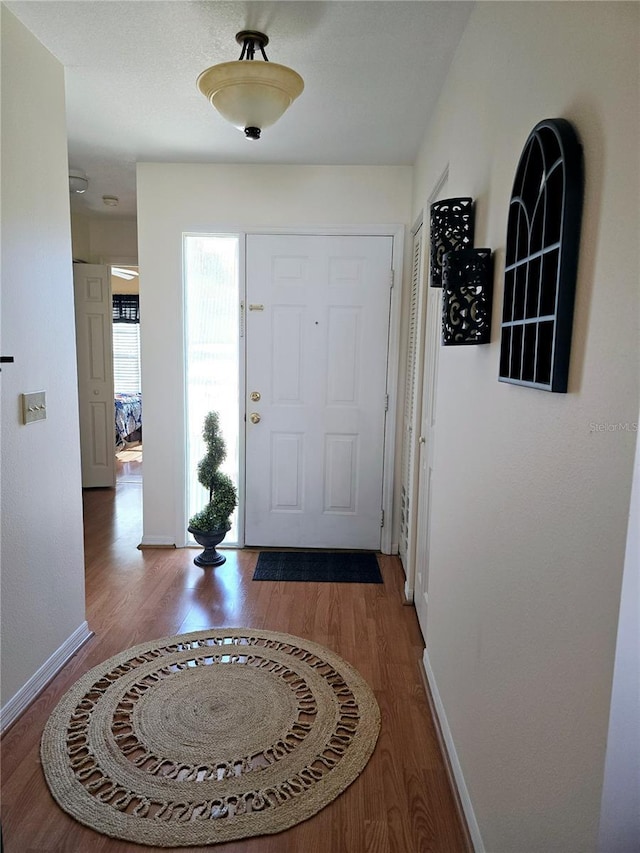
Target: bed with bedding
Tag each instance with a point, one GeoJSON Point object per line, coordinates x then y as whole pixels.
{"type": "Point", "coordinates": [128, 418]}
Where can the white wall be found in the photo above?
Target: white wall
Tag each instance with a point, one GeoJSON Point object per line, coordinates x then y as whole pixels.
{"type": "Point", "coordinates": [80, 238]}
{"type": "Point", "coordinates": [173, 199]}
{"type": "Point", "coordinates": [42, 546]}
{"type": "Point", "coordinates": [103, 239]}
{"type": "Point", "coordinates": [530, 502]}
{"type": "Point", "coordinates": [620, 819]}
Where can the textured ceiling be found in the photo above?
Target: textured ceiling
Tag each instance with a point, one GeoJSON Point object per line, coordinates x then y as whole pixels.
{"type": "Point", "coordinates": [372, 73]}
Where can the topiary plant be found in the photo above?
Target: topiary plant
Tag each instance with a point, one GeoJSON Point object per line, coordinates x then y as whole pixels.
{"type": "Point", "coordinates": [223, 498]}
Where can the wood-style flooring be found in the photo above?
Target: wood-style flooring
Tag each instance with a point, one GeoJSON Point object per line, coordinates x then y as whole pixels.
{"type": "Point", "coordinates": [401, 803]}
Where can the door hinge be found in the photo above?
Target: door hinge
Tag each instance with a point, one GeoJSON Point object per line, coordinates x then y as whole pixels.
{"type": "Point", "coordinates": [392, 278]}
{"type": "Point", "coordinates": [242, 318]}
{"type": "Point", "coordinates": [386, 402]}
{"type": "Point", "coordinates": [381, 518]}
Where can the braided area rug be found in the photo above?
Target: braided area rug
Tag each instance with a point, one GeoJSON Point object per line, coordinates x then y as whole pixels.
{"type": "Point", "coordinates": [209, 737]}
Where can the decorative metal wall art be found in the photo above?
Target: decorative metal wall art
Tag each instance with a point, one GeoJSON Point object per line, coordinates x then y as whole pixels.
{"type": "Point", "coordinates": [451, 229]}
{"type": "Point", "coordinates": [467, 290]}
{"type": "Point", "coordinates": [543, 236]}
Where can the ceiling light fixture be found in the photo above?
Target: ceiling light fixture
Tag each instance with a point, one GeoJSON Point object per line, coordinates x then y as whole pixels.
{"type": "Point", "coordinates": [251, 95]}
{"type": "Point", "coordinates": [78, 181]}
{"type": "Point", "coordinates": [128, 275]}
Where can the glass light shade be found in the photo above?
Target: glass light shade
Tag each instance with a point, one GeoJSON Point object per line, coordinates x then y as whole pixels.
{"type": "Point", "coordinates": [78, 181]}
{"type": "Point", "coordinates": [250, 93]}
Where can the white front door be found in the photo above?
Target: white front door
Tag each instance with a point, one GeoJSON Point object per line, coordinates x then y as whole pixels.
{"type": "Point", "coordinates": [317, 342]}
{"type": "Point", "coordinates": [94, 345]}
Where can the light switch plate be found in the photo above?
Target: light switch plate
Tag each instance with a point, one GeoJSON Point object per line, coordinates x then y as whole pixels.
{"type": "Point", "coordinates": [34, 407]}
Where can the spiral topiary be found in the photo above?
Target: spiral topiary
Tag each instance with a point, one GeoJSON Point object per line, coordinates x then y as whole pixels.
{"type": "Point", "coordinates": [223, 497]}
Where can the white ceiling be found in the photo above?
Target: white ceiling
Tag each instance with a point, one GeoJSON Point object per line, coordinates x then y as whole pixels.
{"type": "Point", "coordinates": [372, 73]}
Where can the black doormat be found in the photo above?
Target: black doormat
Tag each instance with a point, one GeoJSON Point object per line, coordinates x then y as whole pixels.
{"type": "Point", "coordinates": [319, 566]}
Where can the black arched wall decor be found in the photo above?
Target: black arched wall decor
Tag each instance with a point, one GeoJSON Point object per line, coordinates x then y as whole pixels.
{"type": "Point", "coordinates": [541, 261]}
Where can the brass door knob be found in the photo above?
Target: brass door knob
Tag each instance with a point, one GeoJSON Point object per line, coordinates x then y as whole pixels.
{"type": "Point", "coordinates": [254, 417]}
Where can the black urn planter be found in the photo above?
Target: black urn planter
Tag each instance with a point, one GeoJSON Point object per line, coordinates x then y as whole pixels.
{"type": "Point", "coordinates": [209, 539]}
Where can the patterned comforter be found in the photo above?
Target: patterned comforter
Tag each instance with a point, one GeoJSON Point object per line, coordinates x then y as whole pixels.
{"type": "Point", "coordinates": [128, 415]}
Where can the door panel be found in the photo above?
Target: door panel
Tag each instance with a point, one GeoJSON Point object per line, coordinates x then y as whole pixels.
{"type": "Point", "coordinates": [424, 417]}
{"type": "Point", "coordinates": [426, 445]}
{"type": "Point", "coordinates": [317, 338]}
{"type": "Point", "coordinates": [94, 344]}
{"type": "Point", "coordinates": [411, 421]}
{"type": "Point", "coordinates": [286, 472]}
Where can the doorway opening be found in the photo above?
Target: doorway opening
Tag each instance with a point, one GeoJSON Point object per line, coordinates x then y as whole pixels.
{"type": "Point", "coordinates": [127, 388]}
{"type": "Point", "coordinates": [212, 357]}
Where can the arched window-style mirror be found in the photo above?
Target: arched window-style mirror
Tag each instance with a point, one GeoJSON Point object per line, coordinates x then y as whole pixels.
{"type": "Point", "coordinates": [541, 260]}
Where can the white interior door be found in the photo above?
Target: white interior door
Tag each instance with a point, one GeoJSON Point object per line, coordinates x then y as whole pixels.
{"type": "Point", "coordinates": [317, 341]}
{"type": "Point", "coordinates": [94, 344]}
{"type": "Point", "coordinates": [412, 414]}
{"type": "Point", "coordinates": [426, 444]}
{"type": "Point", "coordinates": [432, 333]}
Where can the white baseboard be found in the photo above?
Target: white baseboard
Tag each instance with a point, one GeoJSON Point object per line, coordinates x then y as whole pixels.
{"type": "Point", "coordinates": [157, 542]}
{"type": "Point", "coordinates": [463, 793]}
{"type": "Point", "coordinates": [10, 712]}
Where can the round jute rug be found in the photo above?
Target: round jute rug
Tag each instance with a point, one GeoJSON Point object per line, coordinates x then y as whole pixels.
{"type": "Point", "coordinates": [208, 737]}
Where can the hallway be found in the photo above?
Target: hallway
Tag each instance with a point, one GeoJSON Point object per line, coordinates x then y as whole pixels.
{"type": "Point", "coordinates": [402, 802]}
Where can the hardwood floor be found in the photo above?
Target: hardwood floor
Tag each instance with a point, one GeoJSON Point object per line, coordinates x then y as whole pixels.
{"type": "Point", "coordinates": [401, 803]}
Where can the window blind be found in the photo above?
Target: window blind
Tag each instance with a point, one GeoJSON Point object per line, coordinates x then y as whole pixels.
{"type": "Point", "coordinates": [126, 358]}
{"type": "Point", "coordinates": [126, 308]}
